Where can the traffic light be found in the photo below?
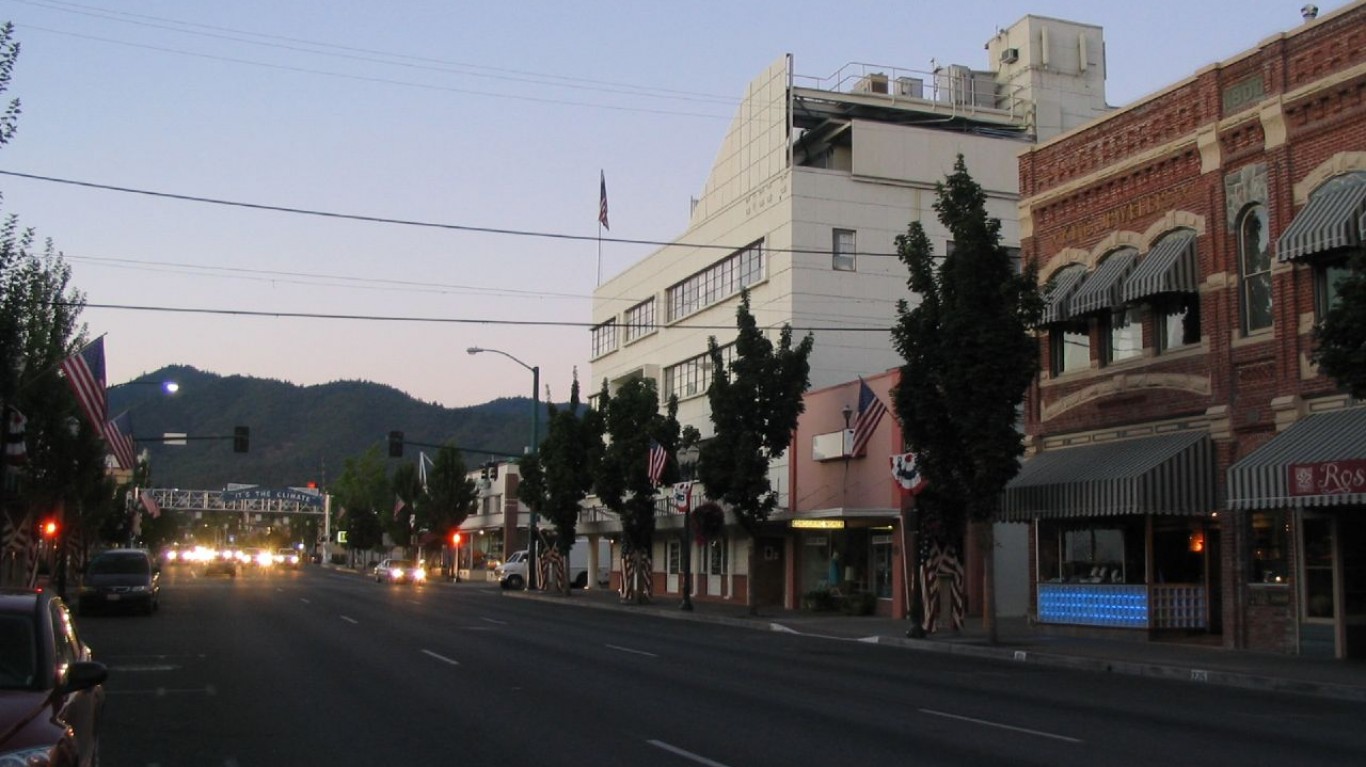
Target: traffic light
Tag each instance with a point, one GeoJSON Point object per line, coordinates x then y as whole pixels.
{"type": "Point", "coordinates": [395, 444]}
{"type": "Point", "coordinates": [455, 539]}
{"type": "Point", "coordinates": [493, 470]}
{"type": "Point", "coordinates": [241, 439]}
{"type": "Point", "coordinates": [484, 471]}
{"type": "Point", "coordinates": [49, 528]}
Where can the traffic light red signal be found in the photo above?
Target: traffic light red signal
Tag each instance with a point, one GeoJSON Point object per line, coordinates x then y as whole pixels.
{"type": "Point", "coordinates": [48, 528]}
{"type": "Point", "coordinates": [455, 540]}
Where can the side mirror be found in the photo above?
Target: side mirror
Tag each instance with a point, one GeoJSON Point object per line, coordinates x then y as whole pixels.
{"type": "Point", "coordinates": [83, 675]}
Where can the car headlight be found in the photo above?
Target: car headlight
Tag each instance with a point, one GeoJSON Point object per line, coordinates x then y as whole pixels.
{"type": "Point", "coordinates": [419, 574]}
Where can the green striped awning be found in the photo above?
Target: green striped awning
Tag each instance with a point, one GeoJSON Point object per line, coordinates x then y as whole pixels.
{"type": "Point", "coordinates": [1330, 220]}
{"type": "Point", "coordinates": [1055, 304]}
{"type": "Point", "coordinates": [1102, 289]}
{"type": "Point", "coordinates": [1170, 267]}
{"type": "Point", "coordinates": [1167, 474]}
{"type": "Point", "coordinates": [1262, 479]}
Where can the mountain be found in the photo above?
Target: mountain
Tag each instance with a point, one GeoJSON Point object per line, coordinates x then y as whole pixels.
{"type": "Point", "coordinates": [299, 434]}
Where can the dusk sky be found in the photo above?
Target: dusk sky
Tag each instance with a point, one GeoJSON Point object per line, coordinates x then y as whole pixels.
{"type": "Point", "coordinates": [462, 117]}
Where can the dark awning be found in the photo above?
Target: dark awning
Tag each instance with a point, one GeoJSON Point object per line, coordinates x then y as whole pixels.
{"type": "Point", "coordinates": [1102, 289]}
{"type": "Point", "coordinates": [1170, 267]}
{"type": "Point", "coordinates": [1055, 304]}
{"type": "Point", "coordinates": [1167, 474]}
{"type": "Point", "coordinates": [1262, 479]}
{"type": "Point", "coordinates": [1330, 220]}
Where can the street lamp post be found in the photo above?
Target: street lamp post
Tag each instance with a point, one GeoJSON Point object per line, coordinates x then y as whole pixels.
{"type": "Point", "coordinates": [687, 461]}
{"type": "Point", "coordinates": [535, 424]}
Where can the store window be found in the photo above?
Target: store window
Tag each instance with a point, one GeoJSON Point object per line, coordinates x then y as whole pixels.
{"type": "Point", "coordinates": [1125, 334]}
{"type": "Point", "coordinates": [1105, 552]}
{"type": "Point", "coordinates": [1178, 321]}
{"type": "Point", "coordinates": [1254, 259]}
{"type": "Point", "coordinates": [1270, 547]}
{"type": "Point", "coordinates": [882, 566]}
{"type": "Point", "coordinates": [1070, 346]}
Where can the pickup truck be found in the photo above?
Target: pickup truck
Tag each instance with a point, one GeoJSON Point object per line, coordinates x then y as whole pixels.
{"type": "Point", "coordinates": [512, 573]}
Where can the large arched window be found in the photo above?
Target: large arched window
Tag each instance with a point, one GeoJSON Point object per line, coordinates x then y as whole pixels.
{"type": "Point", "coordinates": [1254, 265]}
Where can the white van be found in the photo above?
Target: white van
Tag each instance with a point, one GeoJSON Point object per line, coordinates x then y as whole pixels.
{"type": "Point", "coordinates": [512, 573]}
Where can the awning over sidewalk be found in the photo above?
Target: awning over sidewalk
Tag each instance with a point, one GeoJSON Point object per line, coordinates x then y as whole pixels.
{"type": "Point", "coordinates": [1333, 441]}
{"type": "Point", "coordinates": [1170, 267]}
{"type": "Point", "coordinates": [1331, 219]}
{"type": "Point", "coordinates": [1167, 474]}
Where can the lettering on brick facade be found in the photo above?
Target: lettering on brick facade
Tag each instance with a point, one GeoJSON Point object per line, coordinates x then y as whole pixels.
{"type": "Point", "coordinates": [1244, 94]}
{"type": "Point", "coordinates": [1115, 218]}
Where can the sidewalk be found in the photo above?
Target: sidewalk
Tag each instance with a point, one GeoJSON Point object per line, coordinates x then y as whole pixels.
{"type": "Point", "coordinates": [1018, 641]}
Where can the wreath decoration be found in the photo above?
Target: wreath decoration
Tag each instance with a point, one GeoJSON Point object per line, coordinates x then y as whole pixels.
{"type": "Point", "coordinates": [709, 521]}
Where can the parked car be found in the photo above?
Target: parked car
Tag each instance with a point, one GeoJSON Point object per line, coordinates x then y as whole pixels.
{"type": "Point", "coordinates": [399, 571]}
{"type": "Point", "coordinates": [121, 578]}
{"type": "Point", "coordinates": [287, 558]}
{"type": "Point", "coordinates": [51, 689]}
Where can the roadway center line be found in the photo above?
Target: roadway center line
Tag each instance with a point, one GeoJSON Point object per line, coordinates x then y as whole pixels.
{"type": "Point", "coordinates": [627, 649]}
{"type": "Point", "coordinates": [349, 619]}
{"type": "Point", "coordinates": [441, 658]}
{"type": "Point", "coordinates": [1001, 726]}
{"type": "Point", "coordinates": [685, 754]}
{"type": "Point", "coordinates": [494, 620]}
{"type": "Point", "coordinates": [305, 600]}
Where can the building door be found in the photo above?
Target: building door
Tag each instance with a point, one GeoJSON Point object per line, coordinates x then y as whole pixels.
{"type": "Point", "coordinates": [1333, 585]}
{"type": "Point", "coordinates": [1351, 525]}
{"type": "Point", "coordinates": [768, 571]}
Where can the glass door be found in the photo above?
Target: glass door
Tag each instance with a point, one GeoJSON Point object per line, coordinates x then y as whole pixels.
{"type": "Point", "coordinates": [1319, 591]}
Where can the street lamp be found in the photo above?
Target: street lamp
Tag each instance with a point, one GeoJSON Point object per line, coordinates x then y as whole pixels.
{"type": "Point", "coordinates": [535, 423]}
{"type": "Point", "coordinates": [687, 461]}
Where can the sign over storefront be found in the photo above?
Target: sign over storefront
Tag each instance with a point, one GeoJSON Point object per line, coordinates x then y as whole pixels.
{"type": "Point", "coordinates": [1328, 478]}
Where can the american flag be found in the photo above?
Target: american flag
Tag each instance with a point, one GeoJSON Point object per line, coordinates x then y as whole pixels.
{"type": "Point", "coordinates": [870, 412]}
{"type": "Point", "coordinates": [658, 457]}
{"type": "Point", "coordinates": [16, 444]}
{"type": "Point", "coordinates": [150, 503]}
{"type": "Point", "coordinates": [84, 373]}
{"type": "Point", "coordinates": [398, 505]}
{"type": "Point", "coordinates": [118, 433]}
{"type": "Point", "coordinates": [602, 200]}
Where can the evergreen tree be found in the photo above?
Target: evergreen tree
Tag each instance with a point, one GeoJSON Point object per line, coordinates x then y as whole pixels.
{"type": "Point", "coordinates": [557, 479]}
{"type": "Point", "coordinates": [402, 527]}
{"type": "Point", "coordinates": [755, 403]}
{"type": "Point", "coordinates": [450, 495]}
{"type": "Point", "coordinates": [970, 357]}
{"type": "Point", "coordinates": [1341, 338]}
{"type": "Point", "coordinates": [363, 490]}
{"type": "Point", "coordinates": [631, 420]}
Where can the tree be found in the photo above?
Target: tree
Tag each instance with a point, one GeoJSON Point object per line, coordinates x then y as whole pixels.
{"type": "Point", "coordinates": [631, 420]}
{"type": "Point", "coordinates": [451, 494]}
{"type": "Point", "coordinates": [407, 485]}
{"type": "Point", "coordinates": [363, 489]}
{"type": "Point", "coordinates": [970, 357]}
{"type": "Point", "coordinates": [1340, 340]}
{"type": "Point", "coordinates": [560, 475]}
{"type": "Point", "coordinates": [754, 408]}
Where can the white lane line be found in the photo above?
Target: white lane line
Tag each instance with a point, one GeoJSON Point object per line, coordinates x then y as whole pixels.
{"type": "Point", "coordinates": [495, 621]}
{"type": "Point", "coordinates": [441, 658]}
{"type": "Point", "coordinates": [1000, 726]}
{"type": "Point", "coordinates": [306, 601]}
{"type": "Point", "coordinates": [685, 754]}
{"type": "Point", "coordinates": [636, 652]}
{"type": "Point", "coordinates": [349, 619]}
{"type": "Point", "coordinates": [145, 667]}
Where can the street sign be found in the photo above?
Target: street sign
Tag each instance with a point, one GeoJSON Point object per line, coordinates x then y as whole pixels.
{"type": "Point", "coordinates": [174, 438]}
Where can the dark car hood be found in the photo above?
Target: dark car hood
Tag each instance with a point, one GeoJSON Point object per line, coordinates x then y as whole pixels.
{"type": "Point", "coordinates": [16, 705]}
{"type": "Point", "coordinates": [117, 579]}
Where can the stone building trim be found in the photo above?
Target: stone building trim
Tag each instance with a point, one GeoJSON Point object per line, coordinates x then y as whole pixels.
{"type": "Point", "coordinates": [1126, 383]}
{"type": "Point", "coordinates": [1342, 162]}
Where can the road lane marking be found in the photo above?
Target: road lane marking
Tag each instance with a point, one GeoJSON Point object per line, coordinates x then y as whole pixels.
{"type": "Point", "coordinates": [441, 658]}
{"type": "Point", "coordinates": [349, 619]}
{"type": "Point", "coordinates": [306, 601]}
{"type": "Point", "coordinates": [495, 621]}
{"type": "Point", "coordinates": [1000, 726]}
{"type": "Point", "coordinates": [627, 649]}
{"type": "Point", "coordinates": [685, 754]}
{"type": "Point", "coordinates": [134, 668]}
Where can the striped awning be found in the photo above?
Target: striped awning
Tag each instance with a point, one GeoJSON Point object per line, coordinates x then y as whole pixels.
{"type": "Point", "coordinates": [1102, 291]}
{"type": "Point", "coordinates": [1262, 479]}
{"type": "Point", "coordinates": [1170, 267]}
{"type": "Point", "coordinates": [1167, 474]}
{"type": "Point", "coordinates": [1331, 220]}
{"type": "Point", "coordinates": [1055, 304]}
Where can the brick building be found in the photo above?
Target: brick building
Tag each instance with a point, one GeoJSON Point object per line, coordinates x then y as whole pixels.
{"type": "Point", "coordinates": [1191, 241]}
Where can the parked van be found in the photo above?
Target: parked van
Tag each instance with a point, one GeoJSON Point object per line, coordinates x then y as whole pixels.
{"type": "Point", "coordinates": [512, 573]}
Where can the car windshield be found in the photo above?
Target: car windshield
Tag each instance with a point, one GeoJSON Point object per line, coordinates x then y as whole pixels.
{"type": "Point", "coordinates": [18, 661]}
{"type": "Point", "coordinates": [119, 564]}
{"type": "Point", "coordinates": [400, 564]}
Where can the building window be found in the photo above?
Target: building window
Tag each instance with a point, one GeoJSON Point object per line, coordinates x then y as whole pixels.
{"type": "Point", "coordinates": [1254, 260]}
{"type": "Point", "coordinates": [1178, 320]}
{"type": "Point", "coordinates": [1328, 279]}
{"type": "Point", "coordinates": [640, 320]}
{"type": "Point", "coordinates": [717, 282]}
{"type": "Point", "coordinates": [1070, 346]}
{"type": "Point", "coordinates": [675, 556]}
{"type": "Point", "coordinates": [692, 377]}
{"type": "Point", "coordinates": [717, 557]}
{"type": "Point", "coordinates": [605, 338]}
{"type": "Point", "coordinates": [844, 250]}
{"type": "Point", "coordinates": [1125, 336]}
{"type": "Point", "coordinates": [1270, 547]}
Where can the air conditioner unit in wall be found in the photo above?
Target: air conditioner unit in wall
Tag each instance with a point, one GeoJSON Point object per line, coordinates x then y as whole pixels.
{"type": "Point", "coordinates": [1010, 55]}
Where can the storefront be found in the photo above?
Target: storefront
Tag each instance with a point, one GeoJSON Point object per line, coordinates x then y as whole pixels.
{"type": "Point", "coordinates": [842, 557]}
{"type": "Point", "coordinates": [1122, 532]}
{"type": "Point", "coordinates": [1303, 496]}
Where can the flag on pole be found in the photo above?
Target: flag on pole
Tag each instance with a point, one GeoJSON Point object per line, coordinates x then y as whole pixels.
{"type": "Point", "coordinates": [657, 459]}
{"type": "Point", "coordinates": [16, 436]}
{"type": "Point", "coordinates": [84, 373]}
{"type": "Point", "coordinates": [682, 497]}
{"type": "Point", "coordinates": [870, 412]}
{"type": "Point", "coordinates": [398, 505]}
{"type": "Point", "coordinates": [150, 503]}
{"type": "Point", "coordinates": [118, 433]}
{"type": "Point", "coordinates": [602, 200]}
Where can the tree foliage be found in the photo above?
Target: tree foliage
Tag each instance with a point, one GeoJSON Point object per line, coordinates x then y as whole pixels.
{"type": "Point", "coordinates": [1340, 348]}
{"type": "Point", "coordinates": [363, 490]}
{"type": "Point", "coordinates": [450, 495]}
{"type": "Point", "coordinates": [970, 357]}
{"type": "Point", "coordinates": [559, 476]}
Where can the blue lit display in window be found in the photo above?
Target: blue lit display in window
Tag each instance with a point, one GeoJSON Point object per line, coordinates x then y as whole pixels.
{"type": "Point", "coordinates": [1115, 606]}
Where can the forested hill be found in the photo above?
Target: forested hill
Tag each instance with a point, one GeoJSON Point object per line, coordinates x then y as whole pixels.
{"type": "Point", "coordinates": [299, 434]}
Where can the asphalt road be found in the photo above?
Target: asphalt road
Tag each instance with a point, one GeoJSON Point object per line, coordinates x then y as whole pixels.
{"type": "Point", "coordinates": [317, 667]}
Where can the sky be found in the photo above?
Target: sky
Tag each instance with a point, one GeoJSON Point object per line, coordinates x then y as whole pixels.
{"type": "Point", "coordinates": [378, 186]}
